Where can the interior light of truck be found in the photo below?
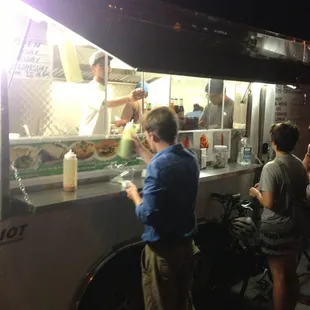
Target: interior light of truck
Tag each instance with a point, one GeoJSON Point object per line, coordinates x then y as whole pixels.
{"type": "Point", "coordinates": [292, 86]}
{"type": "Point", "coordinates": [57, 33]}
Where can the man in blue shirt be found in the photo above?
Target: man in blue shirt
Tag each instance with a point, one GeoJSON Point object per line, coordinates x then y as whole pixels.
{"type": "Point", "coordinates": [167, 211]}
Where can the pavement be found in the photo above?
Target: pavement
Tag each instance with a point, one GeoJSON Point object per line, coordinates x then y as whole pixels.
{"type": "Point", "coordinates": [257, 297]}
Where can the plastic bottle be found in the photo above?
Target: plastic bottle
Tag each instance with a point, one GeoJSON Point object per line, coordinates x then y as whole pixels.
{"type": "Point", "coordinates": [245, 152]}
{"type": "Point", "coordinates": [126, 144]}
{"type": "Point", "coordinates": [70, 172]}
{"type": "Point", "coordinates": [203, 158]}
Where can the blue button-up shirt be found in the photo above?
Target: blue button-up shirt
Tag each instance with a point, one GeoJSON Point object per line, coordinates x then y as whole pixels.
{"type": "Point", "coordinates": [169, 195]}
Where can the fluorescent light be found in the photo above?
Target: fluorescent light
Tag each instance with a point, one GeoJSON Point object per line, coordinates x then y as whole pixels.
{"type": "Point", "coordinates": [292, 86]}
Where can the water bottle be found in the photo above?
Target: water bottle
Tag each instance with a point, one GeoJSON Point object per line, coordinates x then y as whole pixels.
{"type": "Point", "coordinates": [245, 152]}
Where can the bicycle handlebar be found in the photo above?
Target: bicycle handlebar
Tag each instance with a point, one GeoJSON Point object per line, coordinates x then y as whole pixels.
{"type": "Point", "coordinates": [226, 197]}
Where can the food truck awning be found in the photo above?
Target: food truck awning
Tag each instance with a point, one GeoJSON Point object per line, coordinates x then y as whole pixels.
{"type": "Point", "coordinates": [158, 37]}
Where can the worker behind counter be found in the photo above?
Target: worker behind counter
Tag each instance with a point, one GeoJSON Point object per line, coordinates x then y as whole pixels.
{"type": "Point", "coordinates": [211, 117]}
{"type": "Point", "coordinates": [133, 110]}
{"type": "Point", "coordinates": [95, 117]}
{"type": "Point", "coordinates": [197, 111]}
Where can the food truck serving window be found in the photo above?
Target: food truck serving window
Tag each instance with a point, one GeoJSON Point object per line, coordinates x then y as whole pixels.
{"type": "Point", "coordinates": [209, 103]}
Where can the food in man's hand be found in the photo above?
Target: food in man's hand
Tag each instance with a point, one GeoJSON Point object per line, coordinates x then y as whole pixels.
{"type": "Point", "coordinates": [138, 94]}
{"type": "Point", "coordinates": [106, 148]}
{"type": "Point", "coordinates": [83, 149]}
{"type": "Point", "coordinates": [204, 143]}
{"type": "Point", "coordinates": [23, 157]}
{"type": "Point", "coordinates": [52, 152]}
{"type": "Point", "coordinates": [146, 145]}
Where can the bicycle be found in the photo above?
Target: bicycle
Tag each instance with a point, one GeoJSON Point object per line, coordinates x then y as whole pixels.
{"type": "Point", "coordinates": [224, 251]}
{"type": "Point", "coordinates": [233, 203]}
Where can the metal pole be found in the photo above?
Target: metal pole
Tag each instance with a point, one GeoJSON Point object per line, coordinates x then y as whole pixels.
{"type": "Point", "coordinates": [248, 122]}
{"type": "Point", "coordinates": [4, 146]}
{"type": "Point", "coordinates": [142, 80]}
{"type": "Point", "coordinates": [170, 81]}
{"type": "Point", "coordinates": [261, 117]}
{"type": "Point", "coordinates": [223, 102]}
{"type": "Point", "coordinates": [106, 81]}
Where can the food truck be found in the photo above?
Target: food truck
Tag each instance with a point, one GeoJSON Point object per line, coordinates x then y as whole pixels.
{"type": "Point", "coordinates": [81, 250]}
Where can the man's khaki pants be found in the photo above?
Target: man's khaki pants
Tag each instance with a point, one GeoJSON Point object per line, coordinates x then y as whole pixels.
{"type": "Point", "coordinates": [167, 273]}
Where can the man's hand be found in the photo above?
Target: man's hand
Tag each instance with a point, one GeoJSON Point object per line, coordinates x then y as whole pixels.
{"type": "Point", "coordinates": [132, 194]}
{"type": "Point", "coordinates": [121, 122]}
{"type": "Point", "coordinates": [256, 185]}
{"type": "Point", "coordinates": [136, 94]}
{"type": "Point", "coordinates": [141, 150]}
{"type": "Point", "coordinates": [137, 145]}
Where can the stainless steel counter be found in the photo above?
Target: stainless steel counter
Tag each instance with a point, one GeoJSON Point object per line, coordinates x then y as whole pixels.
{"type": "Point", "coordinates": [104, 190]}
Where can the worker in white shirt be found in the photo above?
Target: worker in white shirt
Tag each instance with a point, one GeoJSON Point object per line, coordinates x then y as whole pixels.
{"type": "Point", "coordinates": [95, 117]}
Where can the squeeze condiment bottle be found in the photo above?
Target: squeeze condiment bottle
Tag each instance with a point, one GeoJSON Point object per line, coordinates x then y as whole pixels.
{"type": "Point", "coordinates": [70, 172]}
{"type": "Point", "coordinates": [126, 144]}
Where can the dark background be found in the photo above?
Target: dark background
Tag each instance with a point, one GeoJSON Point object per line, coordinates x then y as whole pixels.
{"type": "Point", "coordinates": [290, 17]}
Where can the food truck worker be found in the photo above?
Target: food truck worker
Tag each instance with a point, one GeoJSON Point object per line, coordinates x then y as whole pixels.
{"type": "Point", "coordinates": [94, 114]}
{"type": "Point", "coordinates": [133, 110]}
{"type": "Point", "coordinates": [211, 116]}
{"type": "Point", "coordinates": [167, 209]}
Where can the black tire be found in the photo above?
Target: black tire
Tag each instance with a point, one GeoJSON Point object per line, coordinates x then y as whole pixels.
{"type": "Point", "coordinates": [116, 287]}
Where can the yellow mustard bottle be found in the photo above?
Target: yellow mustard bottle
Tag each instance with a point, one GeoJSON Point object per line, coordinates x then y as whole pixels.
{"type": "Point", "coordinates": [126, 144]}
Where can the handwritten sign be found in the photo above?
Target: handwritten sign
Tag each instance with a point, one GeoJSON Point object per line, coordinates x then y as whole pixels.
{"type": "Point", "coordinates": [35, 61]}
{"type": "Point", "coordinates": [289, 104]}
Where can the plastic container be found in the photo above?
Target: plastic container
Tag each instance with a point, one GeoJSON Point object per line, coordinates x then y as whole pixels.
{"type": "Point", "coordinates": [127, 144]}
{"type": "Point", "coordinates": [245, 152]}
{"type": "Point", "coordinates": [70, 172]}
{"type": "Point", "coordinates": [220, 156]}
{"type": "Point", "coordinates": [203, 158]}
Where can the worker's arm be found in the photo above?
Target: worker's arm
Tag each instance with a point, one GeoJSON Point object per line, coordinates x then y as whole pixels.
{"type": "Point", "coordinates": [120, 101]}
{"type": "Point", "coordinates": [131, 98]}
{"type": "Point", "coordinates": [127, 115]}
{"type": "Point", "coordinates": [204, 117]}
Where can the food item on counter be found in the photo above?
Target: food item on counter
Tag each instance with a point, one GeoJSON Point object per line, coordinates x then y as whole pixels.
{"type": "Point", "coordinates": [52, 152]}
{"type": "Point", "coordinates": [204, 143]}
{"type": "Point", "coordinates": [83, 149]}
{"type": "Point", "coordinates": [23, 157]}
{"type": "Point", "coordinates": [70, 169]}
{"type": "Point", "coordinates": [106, 148]}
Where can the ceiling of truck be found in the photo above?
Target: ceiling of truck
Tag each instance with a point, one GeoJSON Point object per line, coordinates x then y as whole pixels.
{"type": "Point", "coordinates": [158, 37]}
{"type": "Point", "coordinates": [117, 75]}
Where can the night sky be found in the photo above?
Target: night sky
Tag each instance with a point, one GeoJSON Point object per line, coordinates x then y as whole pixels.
{"type": "Point", "coordinates": [287, 17]}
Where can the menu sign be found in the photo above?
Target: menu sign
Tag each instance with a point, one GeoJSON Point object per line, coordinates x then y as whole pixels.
{"type": "Point", "coordinates": [45, 158]}
{"type": "Point", "coordinates": [35, 61]}
{"type": "Point", "coordinates": [289, 104]}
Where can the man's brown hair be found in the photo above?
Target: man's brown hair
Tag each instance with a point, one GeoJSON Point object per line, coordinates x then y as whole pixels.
{"type": "Point", "coordinates": [163, 122]}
